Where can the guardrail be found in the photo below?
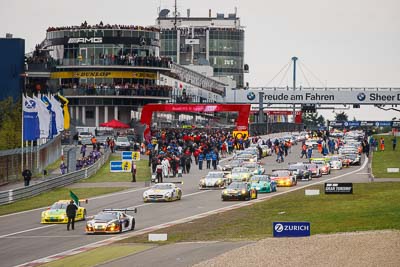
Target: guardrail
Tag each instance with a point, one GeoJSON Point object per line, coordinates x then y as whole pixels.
{"type": "Point", "coordinates": [10, 196]}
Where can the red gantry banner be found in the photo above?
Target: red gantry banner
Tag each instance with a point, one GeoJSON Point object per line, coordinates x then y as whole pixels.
{"type": "Point", "coordinates": [242, 122]}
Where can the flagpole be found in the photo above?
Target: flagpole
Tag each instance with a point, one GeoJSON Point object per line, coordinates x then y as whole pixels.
{"type": "Point", "coordinates": [27, 155]}
{"type": "Point", "coordinates": [22, 134]}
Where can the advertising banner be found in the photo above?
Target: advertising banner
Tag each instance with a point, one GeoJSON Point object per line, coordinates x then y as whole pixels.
{"type": "Point", "coordinates": [371, 96]}
{"type": "Point", "coordinates": [103, 74]}
{"type": "Point", "coordinates": [338, 188]}
{"type": "Point", "coordinates": [345, 124]}
{"type": "Point", "coordinates": [240, 134]}
{"type": "Point", "coordinates": [131, 155]}
{"type": "Point", "coordinates": [120, 166]}
{"type": "Point", "coordinates": [291, 229]}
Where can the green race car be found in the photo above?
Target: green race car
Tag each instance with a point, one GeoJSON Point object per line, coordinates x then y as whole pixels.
{"type": "Point", "coordinates": [263, 184]}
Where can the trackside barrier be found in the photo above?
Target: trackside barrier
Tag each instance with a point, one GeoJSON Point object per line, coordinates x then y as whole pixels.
{"type": "Point", "coordinates": [49, 184]}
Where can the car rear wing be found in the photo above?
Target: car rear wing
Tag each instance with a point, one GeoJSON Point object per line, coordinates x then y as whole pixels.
{"type": "Point", "coordinates": [280, 170]}
{"type": "Point", "coordinates": [124, 210]}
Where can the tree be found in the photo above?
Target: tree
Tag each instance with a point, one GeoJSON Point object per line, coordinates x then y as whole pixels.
{"type": "Point", "coordinates": [312, 120]}
{"type": "Point", "coordinates": [341, 116]}
{"type": "Point", "coordinates": [10, 124]}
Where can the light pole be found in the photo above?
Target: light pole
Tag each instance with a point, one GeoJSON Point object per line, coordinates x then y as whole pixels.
{"type": "Point", "coordinates": [294, 85]}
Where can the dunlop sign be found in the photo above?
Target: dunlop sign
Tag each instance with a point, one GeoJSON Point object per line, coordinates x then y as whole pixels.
{"type": "Point", "coordinates": [120, 166]}
{"type": "Point", "coordinates": [240, 134]}
{"type": "Point", "coordinates": [320, 96]}
{"type": "Point", "coordinates": [129, 155]}
{"type": "Point", "coordinates": [103, 74]}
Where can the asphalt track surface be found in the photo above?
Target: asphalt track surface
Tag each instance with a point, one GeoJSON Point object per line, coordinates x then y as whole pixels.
{"type": "Point", "coordinates": [23, 239]}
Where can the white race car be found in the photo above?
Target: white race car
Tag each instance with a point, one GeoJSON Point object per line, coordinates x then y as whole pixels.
{"type": "Point", "coordinates": [336, 163]}
{"type": "Point", "coordinates": [111, 221]}
{"type": "Point", "coordinates": [162, 192]}
{"type": "Point", "coordinates": [214, 179]}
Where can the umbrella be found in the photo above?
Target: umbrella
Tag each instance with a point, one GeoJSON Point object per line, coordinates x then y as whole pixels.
{"type": "Point", "coordinates": [115, 124]}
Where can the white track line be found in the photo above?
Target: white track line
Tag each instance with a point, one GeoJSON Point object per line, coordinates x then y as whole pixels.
{"type": "Point", "coordinates": [145, 204]}
{"type": "Point", "coordinates": [28, 230]}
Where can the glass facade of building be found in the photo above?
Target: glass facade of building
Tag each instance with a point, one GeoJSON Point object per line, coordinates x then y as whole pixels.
{"type": "Point", "coordinates": [93, 46]}
{"type": "Point", "coordinates": [222, 48]}
{"type": "Point", "coordinates": [227, 53]}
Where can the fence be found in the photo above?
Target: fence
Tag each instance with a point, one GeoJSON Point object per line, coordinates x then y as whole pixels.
{"type": "Point", "coordinates": [60, 181]}
{"type": "Point", "coordinates": [35, 159]}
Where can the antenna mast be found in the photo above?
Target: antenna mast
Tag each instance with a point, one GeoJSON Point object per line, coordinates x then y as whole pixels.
{"type": "Point", "coordinates": [176, 14]}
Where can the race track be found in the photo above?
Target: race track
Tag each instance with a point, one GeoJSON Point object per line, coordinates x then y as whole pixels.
{"type": "Point", "coordinates": [24, 239]}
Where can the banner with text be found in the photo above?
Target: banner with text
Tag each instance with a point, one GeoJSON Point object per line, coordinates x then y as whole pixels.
{"type": "Point", "coordinates": [319, 96]}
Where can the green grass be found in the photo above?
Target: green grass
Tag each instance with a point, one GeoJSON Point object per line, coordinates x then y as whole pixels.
{"type": "Point", "coordinates": [99, 255]}
{"type": "Point", "coordinates": [104, 174]}
{"type": "Point", "coordinates": [373, 206]}
{"type": "Point", "coordinates": [382, 160]}
{"type": "Point", "coordinates": [46, 199]}
{"type": "Point", "coordinates": [53, 166]}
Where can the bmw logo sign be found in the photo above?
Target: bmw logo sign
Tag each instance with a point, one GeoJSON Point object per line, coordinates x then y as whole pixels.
{"type": "Point", "coordinates": [30, 104]}
{"type": "Point", "coordinates": [251, 96]}
{"type": "Point", "coordinates": [361, 96]}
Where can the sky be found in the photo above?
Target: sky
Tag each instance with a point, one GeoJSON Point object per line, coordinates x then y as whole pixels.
{"type": "Point", "coordinates": [340, 43]}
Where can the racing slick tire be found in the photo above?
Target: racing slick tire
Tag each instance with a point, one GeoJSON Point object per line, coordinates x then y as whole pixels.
{"type": "Point", "coordinates": [84, 215]}
{"type": "Point", "coordinates": [179, 195]}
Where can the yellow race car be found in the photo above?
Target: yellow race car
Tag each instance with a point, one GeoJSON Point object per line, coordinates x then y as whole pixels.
{"type": "Point", "coordinates": [57, 213]}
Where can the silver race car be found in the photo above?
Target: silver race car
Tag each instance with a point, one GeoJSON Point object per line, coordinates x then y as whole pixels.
{"type": "Point", "coordinates": [163, 192]}
{"type": "Point", "coordinates": [214, 180]}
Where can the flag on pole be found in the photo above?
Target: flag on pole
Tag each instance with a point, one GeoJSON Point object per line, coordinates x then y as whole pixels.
{"type": "Point", "coordinates": [44, 118]}
{"type": "Point", "coordinates": [53, 126]}
{"type": "Point", "coordinates": [74, 197]}
{"type": "Point", "coordinates": [56, 105]}
{"type": "Point", "coordinates": [67, 117]}
{"type": "Point", "coordinates": [31, 119]}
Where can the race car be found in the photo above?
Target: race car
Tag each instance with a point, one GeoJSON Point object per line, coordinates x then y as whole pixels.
{"type": "Point", "coordinates": [354, 159]}
{"type": "Point", "coordinates": [111, 221]}
{"type": "Point", "coordinates": [266, 151]}
{"type": "Point", "coordinates": [238, 191]}
{"type": "Point", "coordinates": [323, 165]}
{"type": "Point", "coordinates": [254, 167]}
{"type": "Point", "coordinates": [163, 192]}
{"type": "Point", "coordinates": [314, 169]}
{"type": "Point", "coordinates": [57, 213]}
{"type": "Point", "coordinates": [283, 178]}
{"type": "Point", "coordinates": [240, 174]}
{"type": "Point", "coordinates": [214, 179]}
{"type": "Point", "coordinates": [263, 184]}
{"type": "Point", "coordinates": [300, 171]}
{"type": "Point", "coordinates": [232, 164]}
{"type": "Point", "coordinates": [335, 162]}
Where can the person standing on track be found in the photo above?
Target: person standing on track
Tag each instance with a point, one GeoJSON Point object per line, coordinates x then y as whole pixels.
{"type": "Point", "coordinates": [133, 171]}
{"type": "Point", "coordinates": [200, 160]}
{"type": "Point", "coordinates": [71, 213]}
{"type": "Point", "coordinates": [382, 144]}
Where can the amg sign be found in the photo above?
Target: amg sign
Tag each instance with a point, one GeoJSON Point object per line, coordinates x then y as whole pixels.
{"type": "Point", "coordinates": [92, 40]}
